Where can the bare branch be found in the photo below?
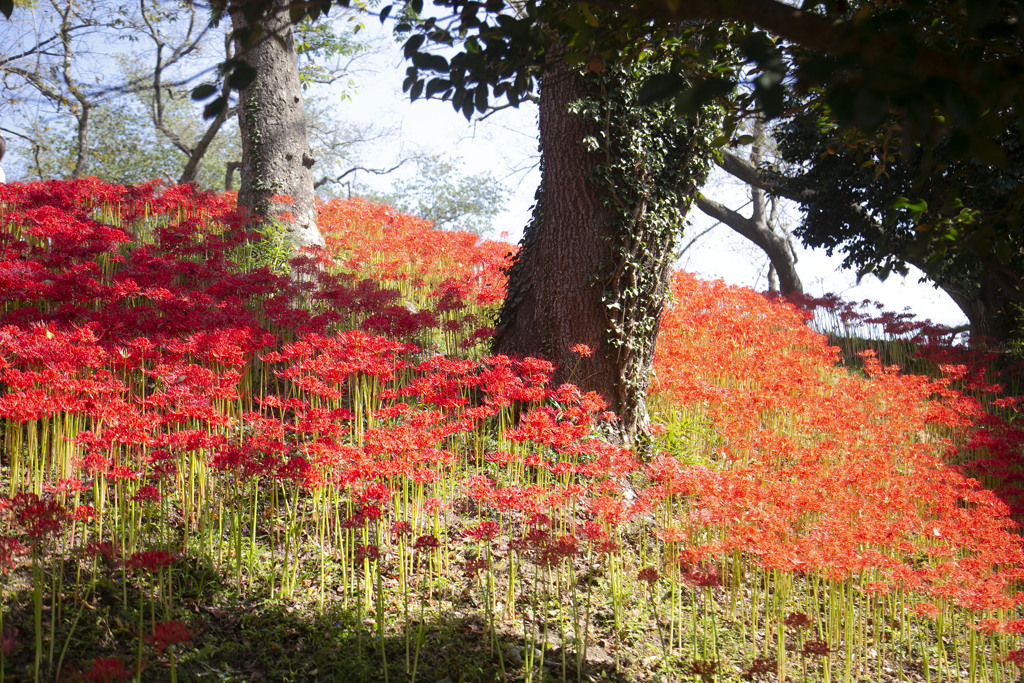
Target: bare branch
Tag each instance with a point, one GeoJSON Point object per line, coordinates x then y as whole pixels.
{"type": "Point", "coordinates": [761, 234]}
{"type": "Point", "coordinates": [375, 171]}
{"type": "Point", "coordinates": [500, 107]}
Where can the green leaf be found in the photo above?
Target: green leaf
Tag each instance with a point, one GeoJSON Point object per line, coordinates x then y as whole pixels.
{"type": "Point", "coordinates": [436, 63]}
{"type": "Point", "coordinates": [914, 207]}
{"type": "Point", "coordinates": [242, 77]}
{"type": "Point", "coordinates": [213, 109]}
{"type": "Point", "coordinates": [437, 85]}
{"type": "Point", "coordinates": [412, 46]}
{"type": "Point", "coordinates": [7, 7]}
{"type": "Point", "coordinates": [203, 90]}
{"type": "Point", "coordinates": [385, 12]}
{"type": "Point", "coordinates": [659, 87]}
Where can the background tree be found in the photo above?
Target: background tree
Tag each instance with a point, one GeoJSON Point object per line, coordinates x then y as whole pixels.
{"type": "Point", "coordinates": [61, 84]}
{"type": "Point", "coordinates": [166, 50]}
{"type": "Point", "coordinates": [128, 148]}
{"type": "Point", "coordinates": [439, 192]}
{"type": "Point", "coordinates": [53, 68]}
{"type": "Point", "coordinates": [958, 219]}
{"type": "Point", "coordinates": [276, 158]}
{"type": "Point", "coordinates": [761, 228]}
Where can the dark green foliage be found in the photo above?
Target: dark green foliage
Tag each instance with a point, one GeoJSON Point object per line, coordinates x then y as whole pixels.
{"type": "Point", "coordinates": [953, 215]}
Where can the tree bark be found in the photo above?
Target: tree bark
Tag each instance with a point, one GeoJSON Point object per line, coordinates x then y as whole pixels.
{"type": "Point", "coordinates": [276, 158]}
{"type": "Point", "coordinates": [594, 262]}
{"type": "Point", "coordinates": [554, 294]}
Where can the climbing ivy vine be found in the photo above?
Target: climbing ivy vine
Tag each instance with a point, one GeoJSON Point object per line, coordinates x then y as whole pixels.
{"type": "Point", "coordinates": [654, 161]}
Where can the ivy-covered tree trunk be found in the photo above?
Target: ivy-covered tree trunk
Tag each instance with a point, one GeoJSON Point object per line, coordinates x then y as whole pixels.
{"type": "Point", "coordinates": [276, 158]}
{"type": "Point", "coordinates": [594, 262]}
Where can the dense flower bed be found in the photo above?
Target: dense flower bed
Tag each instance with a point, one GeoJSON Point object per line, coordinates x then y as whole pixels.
{"type": "Point", "coordinates": [173, 391]}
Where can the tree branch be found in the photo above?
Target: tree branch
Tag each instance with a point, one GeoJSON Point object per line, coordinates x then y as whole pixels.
{"type": "Point", "coordinates": [375, 171]}
{"type": "Point", "coordinates": [762, 235]}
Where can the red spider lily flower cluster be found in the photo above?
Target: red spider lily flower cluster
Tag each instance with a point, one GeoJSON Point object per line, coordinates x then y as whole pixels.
{"type": "Point", "coordinates": [108, 670]}
{"type": "Point", "coordinates": [168, 633]}
{"type": "Point", "coordinates": [810, 469]}
{"type": "Point", "coordinates": [152, 369]}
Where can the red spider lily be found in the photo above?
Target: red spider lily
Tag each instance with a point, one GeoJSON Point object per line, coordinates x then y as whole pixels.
{"type": "Point", "coordinates": [989, 626]}
{"type": "Point", "coordinates": [371, 513]}
{"type": "Point", "coordinates": [150, 560]}
{"type": "Point", "coordinates": [815, 648]}
{"type": "Point", "coordinates": [8, 641]}
{"type": "Point", "coordinates": [147, 494]}
{"type": "Point", "coordinates": [9, 548]}
{"type": "Point", "coordinates": [479, 487]}
{"type": "Point", "coordinates": [704, 669]}
{"type": "Point", "coordinates": [582, 350]}
{"type": "Point", "coordinates": [649, 575]}
{"type": "Point", "coordinates": [539, 519]}
{"type": "Point", "coordinates": [40, 518]}
{"type": "Point", "coordinates": [65, 487]}
{"type": "Point", "coordinates": [797, 620]}
{"type": "Point", "coordinates": [168, 633]}
{"type": "Point", "coordinates": [925, 609]}
{"type": "Point", "coordinates": [565, 546]}
{"type": "Point", "coordinates": [672, 535]}
{"type": "Point", "coordinates": [374, 493]}
{"type": "Point", "coordinates": [426, 542]}
{"type": "Point", "coordinates": [401, 529]}
{"type": "Point", "coordinates": [367, 552]}
{"type": "Point", "coordinates": [104, 549]}
{"type": "Point", "coordinates": [83, 513]}
{"type": "Point", "coordinates": [484, 531]}
{"type": "Point", "coordinates": [1015, 657]}
{"type": "Point", "coordinates": [356, 521]}
{"type": "Point", "coordinates": [1014, 626]}
{"type": "Point", "coordinates": [108, 670]}
{"type": "Point", "coordinates": [702, 577]}
{"type": "Point", "coordinates": [592, 531]}
{"type": "Point", "coordinates": [472, 567]}
{"type": "Point", "coordinates": [761, 666]}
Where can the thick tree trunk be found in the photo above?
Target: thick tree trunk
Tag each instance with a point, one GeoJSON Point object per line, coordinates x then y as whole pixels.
{"type": "Point", "coordinates": [276, 158]}
{"type": "Point", "coordinates": [554, 297]}
{"type": "Point", "coordinates": [992, 315]}
{"type": "Point", "coordinates": [583, 274]}
{"type": "Point", "coordinates": [81, 169]}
